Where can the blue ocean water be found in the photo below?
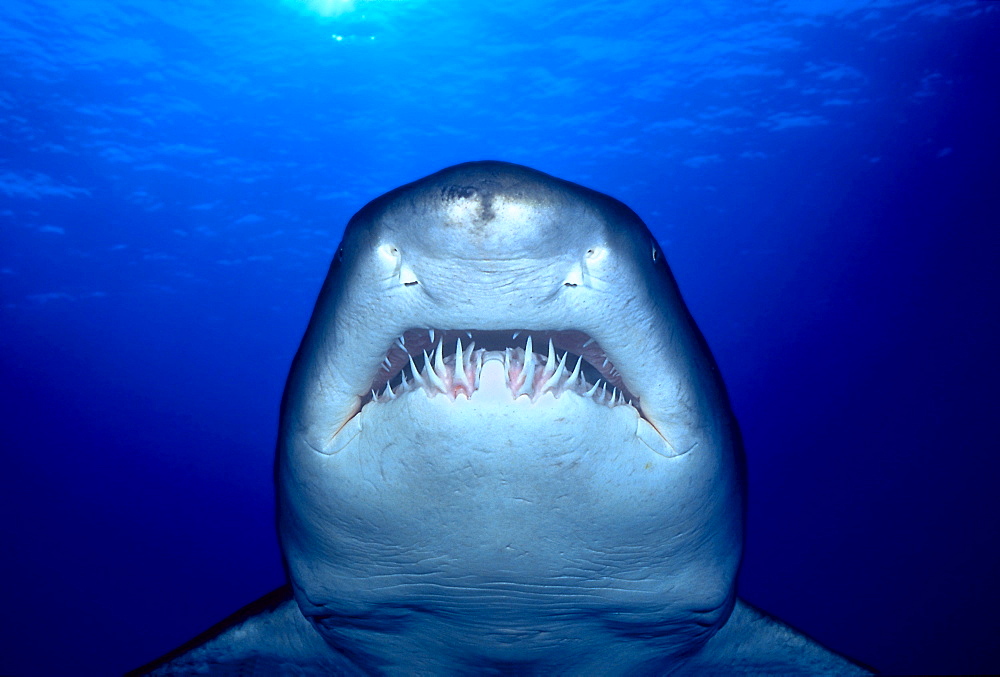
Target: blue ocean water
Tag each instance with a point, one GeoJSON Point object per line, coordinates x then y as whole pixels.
{"type": "Point", "coordinates": [175, 176]}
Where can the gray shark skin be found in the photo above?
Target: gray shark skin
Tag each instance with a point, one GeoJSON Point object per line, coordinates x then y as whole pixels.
{"type": "Point", "coordinates": [504, 449]}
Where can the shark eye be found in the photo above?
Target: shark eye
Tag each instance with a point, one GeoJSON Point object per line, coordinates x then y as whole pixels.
{"type": "Point", "coordinates": [656, 254]}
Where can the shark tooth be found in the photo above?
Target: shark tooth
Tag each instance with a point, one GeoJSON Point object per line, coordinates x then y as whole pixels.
{"type": "Point", "coordinates": [417, 377]}
{"type": "Point", "coordinates": [527, 372]}
{"type": "Point", "coordinates": [432, 375]}
{"type": "Point", "coordinates": [574, 378]}
{"type": "Point", "coordinates": [439, 365]}
{"type": "Point", "coordinates": [460, 375]}
{"type": "Point", "coordinates": [550, 360]}
{"type": "Point", "coordinates": [558, 374]}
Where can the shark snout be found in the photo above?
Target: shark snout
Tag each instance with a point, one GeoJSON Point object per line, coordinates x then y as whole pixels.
{"type": "Point", "coordinates": [488, 211]}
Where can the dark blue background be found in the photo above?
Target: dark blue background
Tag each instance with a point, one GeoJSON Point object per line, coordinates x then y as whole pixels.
{"type": "Point", "coordinates": [174, 177]}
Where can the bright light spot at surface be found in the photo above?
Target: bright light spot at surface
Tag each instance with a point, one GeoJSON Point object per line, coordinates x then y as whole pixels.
{"type": "Point", "coordinates": [330, 7]}
{"type": "Point", "coordinates": [333, 8]}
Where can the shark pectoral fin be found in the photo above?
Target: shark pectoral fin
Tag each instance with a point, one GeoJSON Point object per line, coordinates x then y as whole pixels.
{"type": "Point", "coordinates": [267, 637]}
{"type": "Point", "coordinates": [753, 642]}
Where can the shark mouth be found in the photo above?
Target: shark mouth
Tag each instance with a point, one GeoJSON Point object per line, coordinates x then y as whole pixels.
{"type": "Point", "coordinates": [450, 362]}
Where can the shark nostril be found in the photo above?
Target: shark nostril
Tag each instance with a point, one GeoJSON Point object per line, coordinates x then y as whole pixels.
{"type": "Point", "coordinates": [574, 278]}
{"type": "Point", "coordinates": [407, 277]}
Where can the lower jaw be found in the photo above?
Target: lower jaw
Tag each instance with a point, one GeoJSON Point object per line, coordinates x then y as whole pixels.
{"type": "Point", "coordinates": [482, 480]}
{"type": "Point", "coordinates": [492, 423]}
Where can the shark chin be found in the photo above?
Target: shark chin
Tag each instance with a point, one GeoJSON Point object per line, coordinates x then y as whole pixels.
{"type": "Point", "coordinates": [505, 448]}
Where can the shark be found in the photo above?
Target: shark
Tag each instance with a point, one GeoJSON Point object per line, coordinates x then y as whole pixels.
{"type": "Point", "coordinates": [505, 448]}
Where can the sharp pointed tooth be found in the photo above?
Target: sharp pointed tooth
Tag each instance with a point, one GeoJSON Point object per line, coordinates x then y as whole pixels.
{"type": "Point", "coordinates": [604, 391]}
{"type": "Point", "coordinates": [439, 365]}
{"type": "Point", "coordinates": [431, 332]}
{"type": "Point", "coordinates": [588, 342]}
{"type": "Point", "coordinates": [469, 334]}
{"type": "Point", "coordinates": [402, 382]}
{"type": "Point", "coordinates": [417, 378]}
{"type": "Point", "coordinates": [614, 396]}
{"type": "Point", "coordinates": [574, 377]}
{"type": "Point", "coordinates": [475, 361]}
{"type": "Point", "coordinates": [460, 374]}
{"type": "Point", "coordinates": [432, 375]}
{"type": "Point", "coordinates": [388, 392]}
{"type": "Point", "coordinates": [593, 389]}
{"type": "Point", "coordinates": [374, 395]}
{"type": "Point", "coordinates": [516, 334]}
{"type": "Point", "coordinates": [560, 370]}
{"type": "Point", "coordinates": [402, 340]}
{"type": "Point", "coordinates": [528, 372]}
{"type": "Point", "coordinates": [550, 360]}
{"type": "Point", "coordinates": [386, 364]}
{"type": "Point", "coordinates": [605, 362]}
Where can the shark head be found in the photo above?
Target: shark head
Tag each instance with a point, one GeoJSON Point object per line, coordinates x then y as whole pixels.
{"type": "Point", "coordinates": [504, 441]}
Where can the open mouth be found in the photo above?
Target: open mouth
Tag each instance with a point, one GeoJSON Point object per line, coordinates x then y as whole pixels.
{"type": "Point", "coordinates": [450, 362]}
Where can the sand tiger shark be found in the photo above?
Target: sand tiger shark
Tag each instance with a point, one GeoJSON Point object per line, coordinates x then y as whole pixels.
{"type": "Point", "coordinates": [504, 448]}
